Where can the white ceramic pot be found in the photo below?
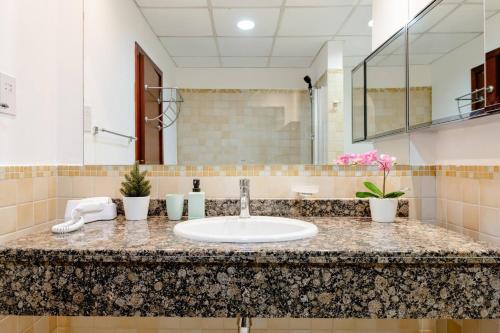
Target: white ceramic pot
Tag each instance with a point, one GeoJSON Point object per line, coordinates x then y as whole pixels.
{"type": "Point", "coordinates": [383, 210]}
{"type": "Point", "coordinates": [136, 208]}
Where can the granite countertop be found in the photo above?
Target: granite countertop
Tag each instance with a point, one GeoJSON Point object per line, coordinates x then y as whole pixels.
{"type": "Point", "coordinates": [340, 240]}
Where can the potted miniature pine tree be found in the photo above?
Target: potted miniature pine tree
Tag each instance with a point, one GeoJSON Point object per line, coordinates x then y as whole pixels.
{"type": "Point", "coordinates": [135, 190]}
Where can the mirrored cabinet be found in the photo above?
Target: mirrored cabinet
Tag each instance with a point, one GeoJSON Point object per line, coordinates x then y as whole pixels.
{"type": "Point", "coordinates": [442, 67]}
{"type": "Point", "coordinates": [386, 88]}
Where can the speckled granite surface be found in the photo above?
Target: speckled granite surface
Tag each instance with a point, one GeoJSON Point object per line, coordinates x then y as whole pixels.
{"type": "Point", "coordinates": [352, 269]}
{"type": "Point", "coordinates": [279, 207]}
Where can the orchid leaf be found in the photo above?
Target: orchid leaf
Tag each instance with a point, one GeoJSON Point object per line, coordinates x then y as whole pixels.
{"type": "Point", "coordinates": [364, 195]}
{"type": "Point", "coordinates": [396, 194]}
{"type": "Point", "coordinates": [372, 187]}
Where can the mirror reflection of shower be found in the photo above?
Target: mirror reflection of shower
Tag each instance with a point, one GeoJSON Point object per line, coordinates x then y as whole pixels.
{"type": "Point", "coordinates": [319, 122]}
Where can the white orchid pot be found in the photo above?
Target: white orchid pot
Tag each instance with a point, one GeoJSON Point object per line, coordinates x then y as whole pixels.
{"type": "Point", "coordinates": [136, 208]}
{"type": "Point", "coordinates": [383, 210]}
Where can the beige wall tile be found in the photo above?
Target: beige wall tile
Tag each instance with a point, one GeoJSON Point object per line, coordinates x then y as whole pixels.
{"type": "Point", "coordinates": [471, 217]}
{"type": "Point", "coordinates": [490, 193]}
{"type": "Point", "coordinates": [8, 192]}
{"type": "Point", "coordinates": [52, 187]}
{"type": "Point", "coordinates": [24, 190]}
{"type": "Point", "coordinates": [41, 211]}
{"type": "Point", "coordinates": [8, 324]}
{"type": "Point", "coordinates": [52, 209]}
{"type": "Point", "coordinates": [40, 188]}
{"type": "Point", "coordinates": [453, 189]}
{"type": "Point", "coordinates": [8, 220]}
{"type": "Point", "coordinates": [24, 322]}
{"type": "Point", "coordinates": [105, 187]}
{"type": "Point", "coordinates": [470, 188]}
{"type": "Point", "coordinates": [25, 216]}
{"type": "Point", "coordinates": [490, 221]}
{"type": "Point", "coordinates": [454, 213]}
{"type": "Point", "coordinates": [65, 186]}
{"type": "Point", "coordinates": [83, 187]}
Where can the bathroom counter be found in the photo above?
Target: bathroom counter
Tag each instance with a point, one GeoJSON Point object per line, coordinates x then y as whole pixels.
{"type": "Point", "coordinates": [340, 240]}
{"type": "Point", "coordinates": [352, 269]}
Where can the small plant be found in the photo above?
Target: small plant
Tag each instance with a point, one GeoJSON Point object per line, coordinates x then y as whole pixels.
{"type": "Point", "coordinates": [384, 163]}
{"type": "Point", "coordinates": [136, 184]}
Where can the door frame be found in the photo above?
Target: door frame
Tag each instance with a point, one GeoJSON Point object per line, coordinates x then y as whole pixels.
{"type": "Point", "coordinates": [140, 124]}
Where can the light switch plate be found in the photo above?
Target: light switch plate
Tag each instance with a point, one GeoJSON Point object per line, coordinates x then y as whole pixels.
{"type": "Point", "coordinates": [7, 94]}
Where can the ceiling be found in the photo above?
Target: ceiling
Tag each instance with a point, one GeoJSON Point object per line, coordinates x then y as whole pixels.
{"type": "Point", "coordinates": [287, 34]}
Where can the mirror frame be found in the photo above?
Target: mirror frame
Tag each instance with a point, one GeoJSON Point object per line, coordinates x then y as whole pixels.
{"type": "Point", "coordinates": [401, 32]}
{"type": "Point", "coordinates": [362, 67]}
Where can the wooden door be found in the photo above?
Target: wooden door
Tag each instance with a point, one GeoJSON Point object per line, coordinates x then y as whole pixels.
{"type": "Point", "coordinates": [493, 79]}
{"type": "Point", "coordinates": [149, 144]}
{"type": "Point", "coordinates": [477, 82]}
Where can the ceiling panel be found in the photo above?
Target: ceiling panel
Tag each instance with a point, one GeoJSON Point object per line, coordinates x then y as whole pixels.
{"type": "Point", "coordinates": [357, 24]}
{"type": "Point", "coordinates": [291, 62]}
{"type": "Point", "coordinates": [247, 46]}
{"type": "Point", "coordinates": [313, 21]}
{"type": "Point", "coordinates": [190, 46]}
{"type": "Point", "coordinates": [439, 43]}
{"type": "Point", "coordinates": [244, 62]}
{"type": "Point", "coordinates": [179, 22]}
{"type": "Point", "coordinates": [309, 3]}
{"type": "Point", "coordinates": [298, 46]}
{"type": "Point", "coordinates": [172, 3]}
{"type": "Point", "coordinates": [356, 45]}
{"type": "Point", "coordinates": [197, 62]}
{"type": "Point", "coordinates": [246, 3]}
{"type": "Point", "coordinates": [226, 20]}
{"type": "Point", "coordinates": [467, 18]}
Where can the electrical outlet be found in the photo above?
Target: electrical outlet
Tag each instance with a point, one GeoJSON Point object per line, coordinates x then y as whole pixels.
{"type": "Point", "coordinates": [7, 94]}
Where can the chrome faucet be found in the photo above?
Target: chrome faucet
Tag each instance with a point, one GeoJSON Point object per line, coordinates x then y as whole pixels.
{"type": "Point", "coordinates": [244, 198]}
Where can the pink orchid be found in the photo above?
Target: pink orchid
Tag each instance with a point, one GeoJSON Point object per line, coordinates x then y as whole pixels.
{"type": "Point", "coordinates": [344, 159]}
{"type": "Point", "coordinates": [386, 162]}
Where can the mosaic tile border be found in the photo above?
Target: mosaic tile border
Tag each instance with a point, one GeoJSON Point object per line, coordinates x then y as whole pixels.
{"type": "Point", "coordinates": [19, 172]}
{"type": "Point", "coordinates": [461, 171]}
{"type": "Point", "coordinates": [469, 171]}
{"type": "Point", "coordinates": [245, 170]}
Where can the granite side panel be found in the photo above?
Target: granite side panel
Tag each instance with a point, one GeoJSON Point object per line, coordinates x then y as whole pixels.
{"type": "Point", "coordinates": [279, 207]}
{"type": "Point", "coordinates": [313, 291]}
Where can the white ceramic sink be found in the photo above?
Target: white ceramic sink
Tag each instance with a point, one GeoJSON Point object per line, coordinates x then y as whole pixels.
{"type": "Point", "coordinates": [256, 229]}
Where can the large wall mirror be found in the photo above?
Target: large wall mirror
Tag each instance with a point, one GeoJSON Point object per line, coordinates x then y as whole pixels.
{"type": "Point", "coordinates": [386, 88]}
{"type": "Point", "coordinates": [177, 83]}
{"type": "Point", "coordinates": [358, 103]}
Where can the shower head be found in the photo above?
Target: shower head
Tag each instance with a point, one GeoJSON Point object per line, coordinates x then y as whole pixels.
{"type": "Point", "coordinates": [307, 78]}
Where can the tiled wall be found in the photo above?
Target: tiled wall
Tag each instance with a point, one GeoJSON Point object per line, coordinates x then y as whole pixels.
{"type": "Point", "coordinates": [234, 126]}
{"type": "Point", "coordinates": [266, 181]}
{"type": "Point", "coordinates": [390, 100]}
{"type": "Point", "coordinates": [27, 204]}
{"type": "Point", "coordinates": [468, 200]}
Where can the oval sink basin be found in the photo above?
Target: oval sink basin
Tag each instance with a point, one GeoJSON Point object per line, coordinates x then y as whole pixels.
{"type": "Point", "coordinates": [256, 229]}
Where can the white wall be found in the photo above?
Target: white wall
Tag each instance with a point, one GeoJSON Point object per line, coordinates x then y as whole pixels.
{"type": "Point", "coordinates": [111, 29]}
{"type": "Point", "coordinates": [42, 49]}
{"type": "Point", "coordinates": [241, 78]}
{"type": "Point", "coordinates": [451, 77]}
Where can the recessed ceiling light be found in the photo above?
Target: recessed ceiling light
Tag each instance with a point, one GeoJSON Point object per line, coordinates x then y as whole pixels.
{"type": "Point", "coordinates": [246, 24]}
{"type": "Point", "coordinates": [370, 23]}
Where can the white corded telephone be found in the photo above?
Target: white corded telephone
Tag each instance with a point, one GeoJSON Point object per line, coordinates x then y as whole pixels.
{"type": "Point", "coordinates": [79, 212]}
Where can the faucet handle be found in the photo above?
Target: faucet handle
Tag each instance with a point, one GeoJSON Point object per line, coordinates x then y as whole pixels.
{"type": "Point", "coordinates": [245, 182]}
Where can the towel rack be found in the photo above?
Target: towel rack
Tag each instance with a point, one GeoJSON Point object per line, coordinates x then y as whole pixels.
{"type": "Point", "coordinates": [96, 130]}
{"type": "Point", "coordinates": [172, 109]}
{"type": "Point", "coordinates": [472, 98]}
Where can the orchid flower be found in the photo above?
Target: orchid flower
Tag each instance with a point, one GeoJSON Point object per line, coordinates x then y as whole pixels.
{"type": "Point", "coordinates": [384, 162]}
